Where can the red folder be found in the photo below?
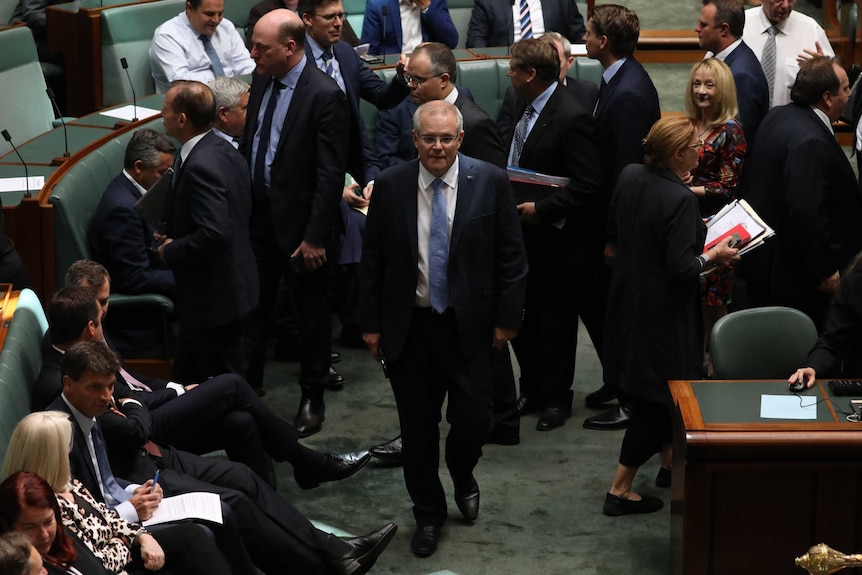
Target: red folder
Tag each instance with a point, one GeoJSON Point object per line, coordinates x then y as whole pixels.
{"type": "Point", "coordinates": [744, 237]}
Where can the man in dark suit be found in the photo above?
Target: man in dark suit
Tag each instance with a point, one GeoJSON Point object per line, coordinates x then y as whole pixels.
{"type": "Point", "coordinates": [121, 240]}
{"type": "Point", "coordinates": [273, 532]}
{"type": "Point", "coordinates": [494, 23]}
{"type": "Point", "coordinates": [720, 31]}
{"type": "Point", "coordinates": [554, 134]}
{"type": "Point", "coordinates": [206, 243]}
{"type": "Point", "coordinates": [801, 184]}
{"type": "Point", "coordinates": [443, 279]}
{"type": "Point", "coordinates": [627, 108]}
{"type": "Point", "coordinates": [261, 8]}
{"type": "Point", "coordinates": [297, 117]}
{"type": "Point", "coordinates": [585, 91]}
{"type": "Point", "coordinates": [395, 27]}
{"type": "Point", "coordinates": [220, 413]}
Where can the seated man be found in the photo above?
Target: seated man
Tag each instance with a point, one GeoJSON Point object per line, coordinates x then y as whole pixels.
{"type": "Point", "coordinates": [222, 413]}
{"type": "Point", "coordinates": [199, 44]}
{"type": "Point", "coordinates": [501, 22]}
{"type": "Point", "coordinates": [274, 533]}
{"type": "Point", "coordinates": [397, 27]}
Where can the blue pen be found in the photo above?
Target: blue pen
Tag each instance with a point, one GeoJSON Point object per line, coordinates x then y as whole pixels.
{"type": "Point", "coordinates": [155, 481]}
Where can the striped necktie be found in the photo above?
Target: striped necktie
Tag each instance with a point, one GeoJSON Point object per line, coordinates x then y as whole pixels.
{"type": "Point", "coordinates": [767, 60]}
{"type": "Point", "coordinates": [438, 250]}
{"type": "Point", "coordinates": [521, 133]}
{"type": "Point", "coordinates": [526, 23]}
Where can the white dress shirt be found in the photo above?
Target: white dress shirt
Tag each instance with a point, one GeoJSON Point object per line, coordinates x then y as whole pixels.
{"type": "Point", "coordinates": [411, 26]}
{"type": "Point", "coordinates": [537, 18]}
{"type": "Point", "coordinates": [177, 53]}
{"type": "Point", "coordinates": [425, 193]}
{"type": "Point", "coordinates": [797, 33]}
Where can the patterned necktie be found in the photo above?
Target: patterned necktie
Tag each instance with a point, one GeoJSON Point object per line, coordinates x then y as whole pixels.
{"type": "Point", "coordinates": [133, 382]}
{"type": "Point", "coordinates": [327, 62]}
{"type": "Point", "coordinates": [767, 60]}
{"type": "Point", "coordinates": [258, 177]}
{"type": "Point", "coordinates": [109, 482]}
{"type": "Point", "coordinates": [215, 62]}
{"type": "Point", "coordinates": [521, 133]}
{"type": "Point", "coordinates": [438, 250]}
{"type": "Point", "coordinates": [526, 23]}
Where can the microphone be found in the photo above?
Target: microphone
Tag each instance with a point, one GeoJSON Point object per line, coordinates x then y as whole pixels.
{"type": "Point", "coordinates": [511, 27]}
{"type": "Point", "coordinates": [8, 138]}
{"type": "Point", "coordinates": [125, 66]}
{"type": "Point", "coordinates": [57, 161]}
{"type": "Point", "coordinates": [385, 10]}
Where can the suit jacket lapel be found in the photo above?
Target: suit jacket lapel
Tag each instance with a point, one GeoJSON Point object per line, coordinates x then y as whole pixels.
{"type": "Point", "coordinates": [293, 109]}
{"type": "Point", "coordinates": [412, 210]}
{"type": "Point", "coordinates": [544, 120]}
{"type": "Point", "coordinates": [611, 87]}
{"type": "Point", "coordinates": [466, 189]}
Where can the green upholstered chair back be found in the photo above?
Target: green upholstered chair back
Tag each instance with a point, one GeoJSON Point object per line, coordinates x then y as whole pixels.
{"type": "Point", "coordinates": [7, 8]}
{"type": "Point", "coordinates": [355, 14]}
{"type": "Point", "coordinates": [460, 11]}
{"type": "Point", "coordinates": [20, 362]}
{"type": "Point", "coordinates": [482, 78]}
{"type": "Point", "coordinates": [126, 33]}
{"type": "Point", "coordinates": [587, 69]}
{"type": "Point", "coordinates": [237, 12]}
{"type": "Point", "coordinates": [761, 343]}
{"type": "Point", "coordinates": [369, 112]}
{"type": "Point", "coordinates": [27, 111]}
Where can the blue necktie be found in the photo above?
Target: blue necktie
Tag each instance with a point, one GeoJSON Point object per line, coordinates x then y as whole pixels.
{"type": "Point", "coordinates": [215, 62]}
{"type": "Point", "coordinates": [526, 23]}
{"type": "Point", "coordinates": [258, 177]}
{"type": "Point", "coordinates": [109, 482]}
{"type": "Point", "coordinates": [438, 250]}
{"type": "Point", "coordinates": [327, 62]}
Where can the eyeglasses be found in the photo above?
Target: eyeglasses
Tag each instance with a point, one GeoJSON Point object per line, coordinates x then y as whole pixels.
{"type": "Point", "coordinates": [697, 145]}
{"type": "Point", "coordinates": [780, 2]}
{"type": "Point", "coordinates": [444, 140]}
{"type": "Point", "coordinates": [418, 80]}
{"type": "Point", "coordinates": [331, 17]}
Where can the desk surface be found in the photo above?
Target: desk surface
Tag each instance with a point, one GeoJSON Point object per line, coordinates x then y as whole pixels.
{"type": "Point", "coordinates": [45, 147]}
{"type": "Point", "coordinates": [17, 171]}
{"type": "Point", "coordinates": [96, 119]}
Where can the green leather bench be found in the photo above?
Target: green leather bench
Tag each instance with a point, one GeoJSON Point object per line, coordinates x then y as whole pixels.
{"type": "Point", "coordinates": [20, 362]}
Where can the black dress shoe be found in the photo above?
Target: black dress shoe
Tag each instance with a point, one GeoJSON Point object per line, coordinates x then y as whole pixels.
{"type": "Point", "coordinates": [553, 416]}
{"type": "Point", "coordinates": [600, 397]}
{"type": "Point", "coordinates": [504, 435]}
{"type": "Point", "coordinates": [524, 405]}
{"type": "Point", "coordinates": [309, 417]}
{"type": "Point", "coordinates": [334, 357]}
{"type": "Point", "coordinates": [366, 550]}
{"type": "Point", "coordinates": [336, 380]}
{"type": "Point", "coordinates": [467, 499]}
{"type": "Point", "coordinates": [616, 418]}
{"type": "Point", "coordinates": [335, 466]}
{"type": "Point", "coordinates": [663, 478]}
{"type": "Point", "coordinates": [615, 506]}
{"type": "Point", "coordinates": [424, 541]}
{"type": "Point", "coordinates": [390, 452]}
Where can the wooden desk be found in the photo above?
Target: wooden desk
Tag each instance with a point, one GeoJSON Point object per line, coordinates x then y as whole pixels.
{"type": "Point", "coordinates": [750, 494]}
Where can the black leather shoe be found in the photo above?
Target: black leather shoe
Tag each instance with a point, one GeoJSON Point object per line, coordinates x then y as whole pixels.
{"type": "Point", "coordinates": [504, 435]}
{"type": "Point", "coordinates": [600, 397]}
{"type": "Point", "coordinates": [615, 506]}
{"type": "Point", "coordinates": [524, 405]}
{"type": "Point", "coordinates": [616, 418]}
{"type": "Point", "coordinates": [424, 541]}
{"type": "Point", "coordinates": [336, 380]}
{"type": "Point", "coordinates": [663, 478]}
{"type": "Point", "coordinates": [553, 416]}
{"type": "Point", "coordinates": [309, 418]}
{"type": "Point", "coordinates": [390, 452]}
{"type": "Point", "coordinates": [335, 466]}
{"type": "Point", "coordinates": [467, 499]}
{"type": "Point", "coordinates": [334, 357]}
{"type": "Point", "coordinates": [366, 550]}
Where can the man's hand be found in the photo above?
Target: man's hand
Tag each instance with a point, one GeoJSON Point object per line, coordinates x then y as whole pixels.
{"type": "Point", "coordinates": [312, 256]}
{"type": "Point", "coordinates": [807, 54]}
{"type": "Point", "coordinates": [502, 335]}
{"type": "Point", "coordinates": [152, 553]}
{"type": "Point", "coordinates": [372, 340]}
{"type": "Point", "coordinates": [165, 241]}
{"type": "Point", "coordinates": [353, 199]}
{"type": "Point", "coordinates": [190, 386]}
{"type": "Point", "coordinates": [144, 502]}
{"type": "Point", "coordinates": [422, 4]}
{"type": "Point", "coordinates": [528, 212]}
{"type": "Point", "coordinates": [830, 284]}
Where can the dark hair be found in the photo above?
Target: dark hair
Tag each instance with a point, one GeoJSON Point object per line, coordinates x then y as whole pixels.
{"type": "Point", "coordinates": [620, 25]}
{"type": "Point", "coordinates": [441, 57]}
{"type": "Point", "coordinates": [730, 12]}
{"type": "Point", "coordinates": [93, 273]}
{"type": "Point", "coordinates": [540, 56]}
{"type": "Point", "coordinates": [196, 101]}
{"type": "Point", "coordinates": [311, 6]}
{"type": "Point", "coordinates": [146, 145]}
{"type": "Point", "coordinates": [14, 554]}
{"type": "Point", "coordinates": [26, 489]}
{"type": "Point", "coordinates": [816, 76]}
{"type": "Point", "coordinates": [70, 311]}
{"type": "Point", "coordinates": [89, 356]}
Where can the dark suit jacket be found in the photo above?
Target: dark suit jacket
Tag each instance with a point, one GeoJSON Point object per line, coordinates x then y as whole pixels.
{"type": "Point", "coordinates": [491, 22]}
{"type": "Point", "coordinates": [752, 90]}
{"type": "Point", "coordinates": [487, 262]}
{"type": "Point", "coordinates": [211, 255]}
{"type": "Point", "coordinates": [801, 183]}
{"type": "Point", "coordinates": [307, 175]}
{"type": "Point", "coordinates": [836, 353]}
{"type": "Point", "coordinates": [120, 238]}
{"type": "Point", "coordinates": [481, 138]}
{"type": "Point", "coordinates": [585, 91]}
{"type": "Point", "coordinates": [437, 26]}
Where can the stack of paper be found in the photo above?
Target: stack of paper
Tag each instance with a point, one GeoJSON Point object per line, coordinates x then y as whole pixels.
{"type": "Point", "coordinates": [737, 217]}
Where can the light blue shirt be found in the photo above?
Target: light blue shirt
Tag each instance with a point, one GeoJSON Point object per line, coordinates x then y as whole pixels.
{"type": "Point", "coordinates": [538, 105]}
{"type": "Point", "coordinates": [317, 52]}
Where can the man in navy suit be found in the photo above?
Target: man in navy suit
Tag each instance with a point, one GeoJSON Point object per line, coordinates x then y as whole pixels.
{"type": "Point", "coordinates": [498, 22]}
{"type": "Point", "coordinates": [627, 108]}
{"type": "Point", "coordinates": [443, 280]}
{"type": "Point", "coordinates": [391, 29]}
{"type": "Point", "coordinates": [720, 31]}
{"type": "Point", "coordinates": [207, 244]}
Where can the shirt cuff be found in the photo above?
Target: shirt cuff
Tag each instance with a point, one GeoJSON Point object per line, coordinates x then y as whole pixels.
{"type": "Point", "coordinates": [127, 511]}
{"type": "Point", "coordinates": [178, 387]}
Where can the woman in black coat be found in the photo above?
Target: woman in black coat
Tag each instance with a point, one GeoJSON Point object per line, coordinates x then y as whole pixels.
{"type": "Point", "coordinates": [653, 329]}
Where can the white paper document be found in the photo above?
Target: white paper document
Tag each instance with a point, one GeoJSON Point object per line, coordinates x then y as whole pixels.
{"type": "Point", "coordinates": [33, 183]}
{"type": "Point", "coordinates": [198, 505]}
{"type": "Point", "coordinates": [788, 407]}
{"type": "Point", "coordinates": [130, 112]}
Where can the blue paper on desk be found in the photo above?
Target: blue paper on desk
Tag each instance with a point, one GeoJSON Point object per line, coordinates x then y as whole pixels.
{"type": "Point", "coordinates": [788, 407]}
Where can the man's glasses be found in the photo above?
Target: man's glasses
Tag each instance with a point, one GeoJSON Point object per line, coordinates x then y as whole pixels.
{"type": "Point", "coordinates": [444, 140]}
{"type": "Point", "coordinates": [331, 17]}
{"type": "Point", "coordinates": [418, 80]}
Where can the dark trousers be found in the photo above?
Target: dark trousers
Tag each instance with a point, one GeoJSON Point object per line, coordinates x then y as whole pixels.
{"type": "Point", "coordinates": [203, 353]}
{"type": "Point", "coordinates": [430, 367]}
{"type": "Point", "coordinates": [649, 429]}
{"type": "Point", "coordinates": [189, 550]}
{"type": "Point", "coordinates": [275, 533]}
